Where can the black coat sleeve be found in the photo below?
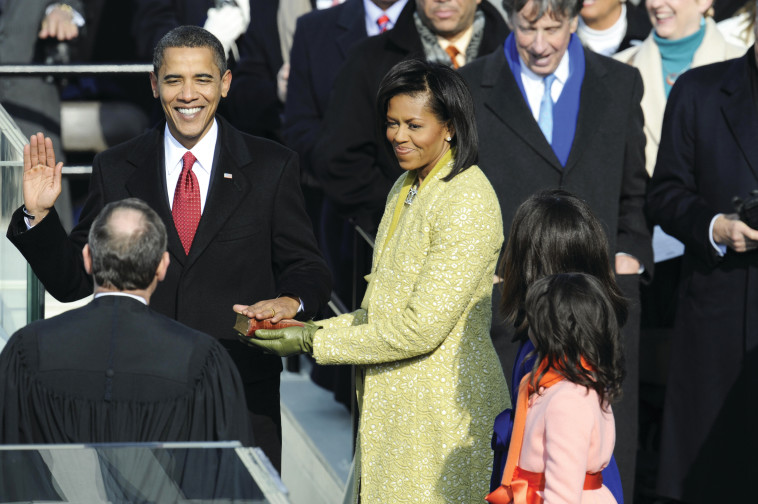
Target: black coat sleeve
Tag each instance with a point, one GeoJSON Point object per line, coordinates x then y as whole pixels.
{"type": "Point", "coordinates": [633, 236]}
{"type": "Point", "coordinates": [298, 266]}
{"type": "Point", "coordinates": [674, 199]}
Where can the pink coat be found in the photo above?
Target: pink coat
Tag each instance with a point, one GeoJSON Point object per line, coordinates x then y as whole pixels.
{"type": "Point", "coordinates": [566, 435]}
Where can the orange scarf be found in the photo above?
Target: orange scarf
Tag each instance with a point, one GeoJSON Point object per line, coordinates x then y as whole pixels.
{"type": "Point", "coordinates": [519, 486]}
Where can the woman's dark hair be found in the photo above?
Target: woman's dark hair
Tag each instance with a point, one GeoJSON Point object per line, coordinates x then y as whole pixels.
{"type": "Point", "coordinates": [554, 232]}
{"type": "Point", "coordinates": [448, 99]}
{"type": "Point", "coordinates": [571, 318]}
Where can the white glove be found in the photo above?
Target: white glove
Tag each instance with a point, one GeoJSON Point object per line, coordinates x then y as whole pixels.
{"type": "Point", "coordinates": [228, 23]}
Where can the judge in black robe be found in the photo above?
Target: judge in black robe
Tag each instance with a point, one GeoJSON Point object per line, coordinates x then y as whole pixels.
{"type": "Point", "coordinates": [115, 370]}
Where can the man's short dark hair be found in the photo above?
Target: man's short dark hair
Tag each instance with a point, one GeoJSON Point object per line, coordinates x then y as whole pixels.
{"type": "Point", "coordinates": [126, 259]}
{"type": "Point", "coordinates": [189, 36]}
{"type": "Point", "coordinates": [448, 98]}
{"type": "Point", "coordinates": [559, 8]}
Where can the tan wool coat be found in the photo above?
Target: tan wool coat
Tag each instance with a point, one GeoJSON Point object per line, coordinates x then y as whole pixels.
{"type": "Point", "coordinates": [647, 59]}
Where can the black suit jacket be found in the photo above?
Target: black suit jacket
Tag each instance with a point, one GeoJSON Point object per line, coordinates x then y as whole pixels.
{"type": "Point", "coordinates": [254, 240]}
{"type": "Point", "coordinates": [350, 158]}
{"type": "Point", "coordinates": [117, 371]}
{"type": "Point", "coordinates": [606, 166]}
{"type": "Point", "coordinates": [708, 155]}
{"type": "Point", "coordinates": [321, 44]}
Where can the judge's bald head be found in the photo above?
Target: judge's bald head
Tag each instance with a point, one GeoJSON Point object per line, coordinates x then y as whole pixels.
{"type": "Point", "coordinates": [127, 241]}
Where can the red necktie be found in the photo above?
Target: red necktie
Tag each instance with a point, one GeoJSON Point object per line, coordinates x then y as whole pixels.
{"type": "Point", "coordinates": [383, 23]}
{"type": "Point", "coordinates": [452, 52]}
{"type": "Point", "coordinates": [186, 210]}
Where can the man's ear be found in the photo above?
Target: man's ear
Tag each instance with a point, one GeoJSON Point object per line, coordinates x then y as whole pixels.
{"type": "Point", "coordinates": [87, 259]}
{"type": "Point", "coordinates": [154, 84]}
{"type": "Point", "coordinates": [226, 82]}
{"type": "Point", "coordinates": [160, 272]}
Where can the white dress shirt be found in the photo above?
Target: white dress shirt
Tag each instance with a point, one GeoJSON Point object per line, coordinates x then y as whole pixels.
{"type": "Point", "coordinates": [203, 151]}
{"type": "Point", "coordinates": [124, 294]}
{"type": "Point", "coordinates": [373, 13]}
{"type": "Point", "coordinates": [534, 86]}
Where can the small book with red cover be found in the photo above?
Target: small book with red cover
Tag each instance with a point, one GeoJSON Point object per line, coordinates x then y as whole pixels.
{"type": "Point", "coordinates": [247, 327]}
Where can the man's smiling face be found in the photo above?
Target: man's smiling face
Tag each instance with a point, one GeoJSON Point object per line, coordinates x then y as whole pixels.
{"type": "Point", "coordinates": [190, 86]}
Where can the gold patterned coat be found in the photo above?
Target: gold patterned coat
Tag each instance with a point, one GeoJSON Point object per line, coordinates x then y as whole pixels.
{"type": "Point", "coordinates": [432, 383]}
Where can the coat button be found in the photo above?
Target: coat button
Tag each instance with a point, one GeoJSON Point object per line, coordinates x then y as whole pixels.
{"type": "Point", "coordinates": [109, 373]}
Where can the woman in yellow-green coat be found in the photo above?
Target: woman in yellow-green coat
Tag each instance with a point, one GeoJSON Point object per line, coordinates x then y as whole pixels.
{"type": "Point", "coordinates": [431, 381]}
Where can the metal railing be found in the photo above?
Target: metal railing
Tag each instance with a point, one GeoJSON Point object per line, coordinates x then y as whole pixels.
{"type": "Point", "coordinates": [75, 70]}
{"type": "Point", "coordinates": [20, 291]}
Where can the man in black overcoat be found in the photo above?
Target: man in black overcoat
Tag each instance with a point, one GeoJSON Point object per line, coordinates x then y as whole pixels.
{"type": "Point", "coordinates": [253, 243]}
{"type": "Point", "coordinates": [596, 151]}
{"type": "Point", "coordinates": [708, 155]}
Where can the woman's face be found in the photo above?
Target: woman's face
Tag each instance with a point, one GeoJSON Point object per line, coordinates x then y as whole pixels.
{"type": "Point", "coordinates": [600, 14]}
{"type": "Point", "coordinates": [417, 136]}
{"type": "Point", "coordinates": [675, 19]}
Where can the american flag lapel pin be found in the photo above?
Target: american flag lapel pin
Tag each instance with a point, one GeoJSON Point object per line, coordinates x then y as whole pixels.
{"type": "Point", "coordinates": [227, 175]}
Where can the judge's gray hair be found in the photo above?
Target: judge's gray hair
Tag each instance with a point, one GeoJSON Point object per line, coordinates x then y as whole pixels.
{"type": "Point", "coordinates": [126, 252]}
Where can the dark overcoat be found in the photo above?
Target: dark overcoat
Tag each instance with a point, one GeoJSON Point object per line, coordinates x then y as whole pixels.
{"type": "Point", "coordinates": [708, 155]}
{"type": "Point", "coordinates": [606, 168]}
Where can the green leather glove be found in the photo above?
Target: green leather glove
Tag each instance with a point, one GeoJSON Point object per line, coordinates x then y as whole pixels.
{"type": "Point", "coordinates": [286, 341]}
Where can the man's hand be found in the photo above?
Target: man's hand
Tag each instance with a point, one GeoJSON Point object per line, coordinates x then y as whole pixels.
{"type": "Point", "coordinates": [271, 309]}
{"type": "Point", "coordinates": [284, 342]}
{"type": "Point", "coordinates": [729, 230]}
{"type": "Point", "coordinates": [42, 177]}
{"type": "Point", "coordinates": [627, 265]}
{"type": "Point", "coordinates": [282, 78]}
{"type": "Point", "coordinates": [59, 24]}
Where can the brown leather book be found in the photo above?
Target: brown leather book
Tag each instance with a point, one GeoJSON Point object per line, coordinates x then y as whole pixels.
{"type": "Point", "coordinates": [247, 327]}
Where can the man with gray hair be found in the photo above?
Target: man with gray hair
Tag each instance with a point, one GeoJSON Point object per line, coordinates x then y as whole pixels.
{"type": "Point", "coordinates": [115, 370]}
{"type": "Point", "coordinates": [552, 114]}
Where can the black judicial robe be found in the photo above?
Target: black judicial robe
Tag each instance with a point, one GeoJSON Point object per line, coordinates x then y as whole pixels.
{"type": "Point", "coordinates": [117, 371]}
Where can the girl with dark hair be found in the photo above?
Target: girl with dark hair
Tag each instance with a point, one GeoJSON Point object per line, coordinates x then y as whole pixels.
{"type": "Point", "coordinates": [552, 232]}
{"type": "Point", "coordinates": [430, 381]}
{"type": "Point", "coordinates": [564, 431]}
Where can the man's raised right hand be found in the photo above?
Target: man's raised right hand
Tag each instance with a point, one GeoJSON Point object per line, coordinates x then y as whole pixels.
{"type": "Point", "coordinates": [42, 177]}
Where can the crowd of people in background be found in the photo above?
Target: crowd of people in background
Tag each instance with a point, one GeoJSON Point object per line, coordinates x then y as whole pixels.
{"type": "Point", "coordinates": [645, 111]}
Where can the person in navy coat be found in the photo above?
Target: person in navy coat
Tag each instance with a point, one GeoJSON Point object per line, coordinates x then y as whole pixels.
{"type": "Point", "coordinates": [707, 156]}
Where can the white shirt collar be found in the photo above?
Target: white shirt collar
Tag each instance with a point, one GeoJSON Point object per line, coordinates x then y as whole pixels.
{"type": "Point", "coordinates": [124, 294]}
{"type": "Point", "coordinates": [373, 13]}
{"type": "Point", "coordinates": [203, 150]}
